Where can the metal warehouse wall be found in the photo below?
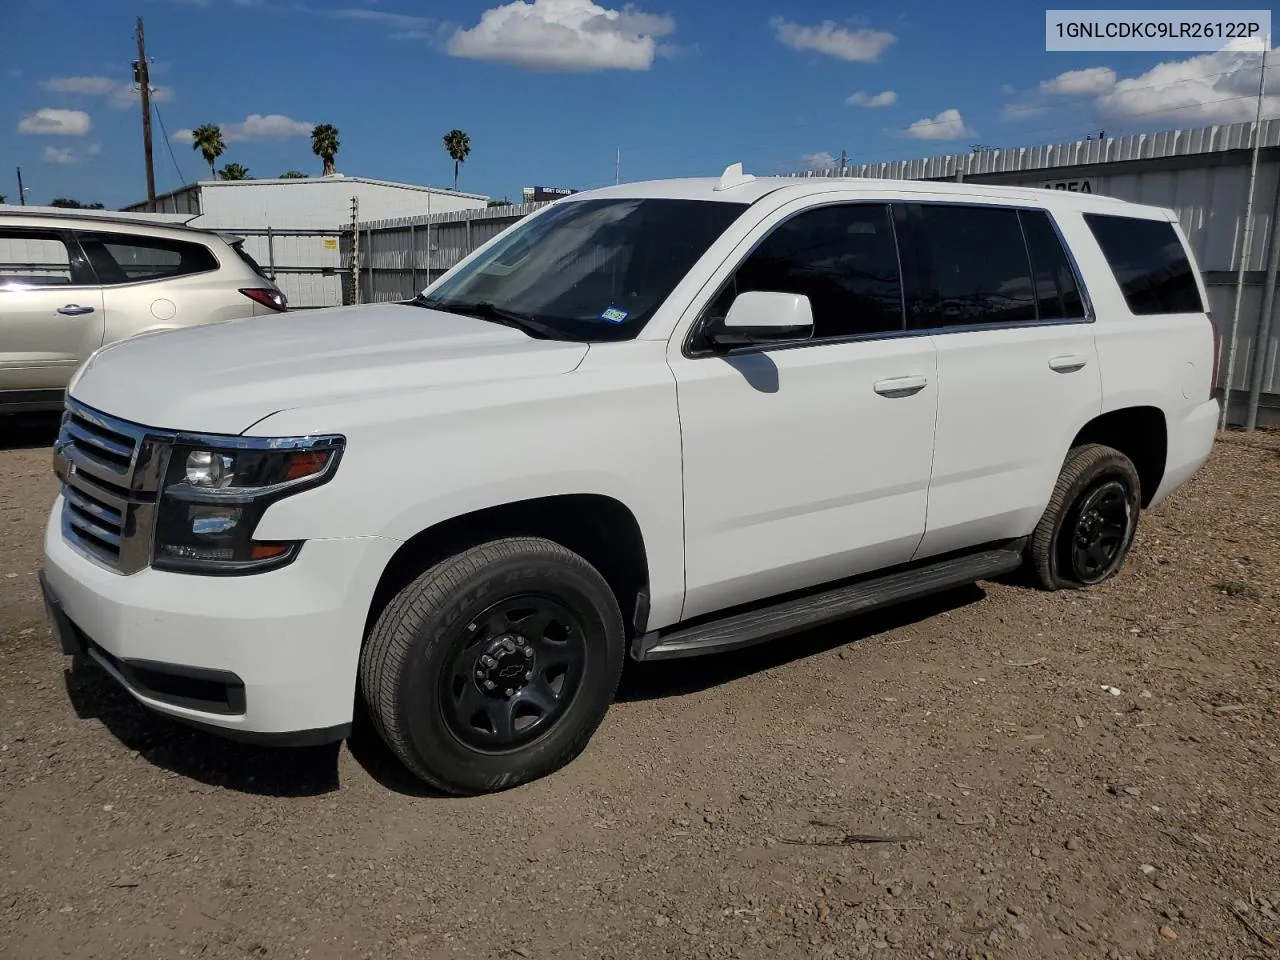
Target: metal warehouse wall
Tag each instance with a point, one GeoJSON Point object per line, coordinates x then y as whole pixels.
{"type": "Point", "coordinates": [395, 262]}
{"type": "Point", "coordinates": [292, 227]}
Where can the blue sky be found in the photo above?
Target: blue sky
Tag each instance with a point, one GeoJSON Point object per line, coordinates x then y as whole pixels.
{"type": "Point", "coordinates": [549, 89]}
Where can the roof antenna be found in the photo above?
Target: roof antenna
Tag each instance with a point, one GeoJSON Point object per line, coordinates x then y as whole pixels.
{"type": "Point", "coordinates": [733, 177]}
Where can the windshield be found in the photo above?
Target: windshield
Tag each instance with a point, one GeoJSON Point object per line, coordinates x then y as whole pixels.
{"type": "Point", "coordinates": [588, 269]}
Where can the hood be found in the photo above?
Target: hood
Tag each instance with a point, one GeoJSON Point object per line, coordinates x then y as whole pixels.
{"type": "Point", "coordinates": [224, 377]}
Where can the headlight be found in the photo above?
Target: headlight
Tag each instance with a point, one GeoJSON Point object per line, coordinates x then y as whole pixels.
{"type": "Point", "coordinates": [216, 490]}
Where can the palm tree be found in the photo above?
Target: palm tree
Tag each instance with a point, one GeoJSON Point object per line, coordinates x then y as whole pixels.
{"type": "Point", "coordinates": [234, 171]}
{"type": "Point", "coordinates": [458, 145]}
{"type": "Point", "coordinates": [207, 138]}
{"type": "Point", "coordinates": [324, 144]}
{"type": "Point", "coordinates": [293, 175]}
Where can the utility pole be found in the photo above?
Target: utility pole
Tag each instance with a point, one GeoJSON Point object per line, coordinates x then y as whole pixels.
{"type": "Point", "coordinates": [617, 169]}
{"type": "Point", "coordinates": [142, 77]}
{"type": "Point", "coordinates": [1246, 243]}
{"type": "Point", "coordinates": [22, 194]}
{"type": "Point", "coordinates": [355, 249]}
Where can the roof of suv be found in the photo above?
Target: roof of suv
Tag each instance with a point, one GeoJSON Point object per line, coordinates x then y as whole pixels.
{"type": "Point", "coordinates": [735, 187]}
{"type": "Point", "coordinates": [173, 227]}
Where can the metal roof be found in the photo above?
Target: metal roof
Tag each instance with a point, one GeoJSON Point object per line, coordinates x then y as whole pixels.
{"type": "Point", "coordinates": [338, 178]}
{"type": "Point", "coordinates": [107, 216]}
{"type": "Point", "coordinates": [1074, 153]}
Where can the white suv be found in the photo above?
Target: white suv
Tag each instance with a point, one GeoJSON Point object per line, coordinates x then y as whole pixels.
{"type": "Point", "coordinates": [661, 419]}
{"type": "Point", "coordinates": [72, 281]}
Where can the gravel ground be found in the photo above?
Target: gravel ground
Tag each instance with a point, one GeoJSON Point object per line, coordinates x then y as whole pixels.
{"type": "Point", "coordinates": [998, 773]}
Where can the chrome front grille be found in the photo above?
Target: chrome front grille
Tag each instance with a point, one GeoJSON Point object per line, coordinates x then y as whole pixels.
{"type": "Point", "coordinates": [110, 471]}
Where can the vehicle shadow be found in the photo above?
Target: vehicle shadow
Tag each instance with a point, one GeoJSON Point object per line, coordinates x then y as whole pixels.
{"type": "Point", "coordinates": [311, 771]}
{"type": "Point", "coordinates": [28, 431]}
{"type": "Point", "coordinates": [655, 681]}
{"type": "Point", "coordinates": [195, 754]}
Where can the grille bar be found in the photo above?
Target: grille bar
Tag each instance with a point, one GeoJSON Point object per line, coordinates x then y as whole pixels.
{"type": "Point", "coordinates": [110, 471]}
{"type": "Point", "coordinates": [105, 448]}
{"type": "Point", "coordinates": [110, 516]}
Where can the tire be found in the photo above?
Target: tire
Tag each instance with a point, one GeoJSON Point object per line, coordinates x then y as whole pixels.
{"type": "Point", "coordinates": [1097, 501]}
{"type": "Point", "coordinates": [495, 666]}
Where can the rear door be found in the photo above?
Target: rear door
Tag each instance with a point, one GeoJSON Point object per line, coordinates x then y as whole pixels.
{"type": "Point", "coordinates": [1018, 368]}
{"type": "Point", "coordinates": [153, 283]}
{"type": "Point", "coordinates": [51, 315]}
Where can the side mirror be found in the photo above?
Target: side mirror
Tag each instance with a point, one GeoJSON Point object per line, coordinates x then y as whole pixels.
{"type": "Point", "coordinates": [759, 316]}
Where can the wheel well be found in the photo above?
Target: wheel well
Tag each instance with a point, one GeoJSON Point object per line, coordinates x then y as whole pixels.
{"type": "Point", "coordinates": [1141, 434]}
{"type": "Point", "coordinates": [598, 528]}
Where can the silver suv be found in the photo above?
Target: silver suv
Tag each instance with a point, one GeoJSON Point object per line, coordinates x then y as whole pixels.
{"type": "Point", "coordinates": [71, 282]}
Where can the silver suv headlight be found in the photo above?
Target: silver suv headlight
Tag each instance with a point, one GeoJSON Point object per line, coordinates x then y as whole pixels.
{"type": "Point", "coordinates": [216, 490]}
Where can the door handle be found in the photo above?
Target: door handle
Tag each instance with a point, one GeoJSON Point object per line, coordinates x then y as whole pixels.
{"type": "Point", "coordinates": [896, 387]}
{"type": "Point", "coordinates": [74, 310]}
{"type": "Point", "coordinates": [1068, 364]}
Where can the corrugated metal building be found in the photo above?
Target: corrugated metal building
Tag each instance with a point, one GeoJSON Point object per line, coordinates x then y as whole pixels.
{"type": "Point", "coordinates": [305, 218]}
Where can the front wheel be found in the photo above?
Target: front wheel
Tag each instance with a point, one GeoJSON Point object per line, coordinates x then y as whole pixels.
{"type": "Point", "coordinates": [495, 666]}
{"type": "Point", "coordinates": [1088, 527]}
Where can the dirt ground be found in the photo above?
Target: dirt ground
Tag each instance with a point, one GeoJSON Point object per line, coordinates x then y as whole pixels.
{"type": "Point", "coordinates": [1091, 774]}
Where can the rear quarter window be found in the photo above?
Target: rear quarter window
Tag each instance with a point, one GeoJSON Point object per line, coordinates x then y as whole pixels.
{"type": "Point", "coordinates": [1149, 263]}
{"type": "Point", "coordinates": [123, 258]}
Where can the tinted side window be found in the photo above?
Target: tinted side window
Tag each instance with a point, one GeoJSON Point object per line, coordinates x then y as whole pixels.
{"type": "Point", "coordinates": [971, 265]}
{"type": "Point", "coordinates": [1149, 263]}
{"type": "Point", "coordinates": [1057, 295]}
{"type": "Point", "coordinates": [120, 258]}
{"type": "Point", "coordinates": [29, 258]}
{"type": "Point", "coordinates": [842, 258]}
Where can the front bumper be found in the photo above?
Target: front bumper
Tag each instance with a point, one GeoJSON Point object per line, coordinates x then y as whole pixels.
{"type": "Point", "coordinates": [270, 657]}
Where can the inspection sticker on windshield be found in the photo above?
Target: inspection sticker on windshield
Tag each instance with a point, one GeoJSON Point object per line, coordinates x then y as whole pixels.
{"type": "Point", "coordinates": [613, 315]}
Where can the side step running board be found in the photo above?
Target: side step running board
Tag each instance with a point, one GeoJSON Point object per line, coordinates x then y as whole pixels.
{"type": "Point", "coordinates": [793, 616]}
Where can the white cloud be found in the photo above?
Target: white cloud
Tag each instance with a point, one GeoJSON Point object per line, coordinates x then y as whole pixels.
{"type": "Point", "coordinates": [393, 21]}
{"type": "Point", "coordinates": [59, 155]}
{"type": "Point", "coordinates": [119, 93]}
{"type": "Point", "coordinates": [1217, 87]}
{"type": "Point", "coordinates": [822, 160]}
{"type": "Point", "coordinates": [1021, 111]}
{"type": "Point", "coordinates": [53, 122]}
{"type": "Point", "coordinates": [863, 99]}
{"type": "Point", "coordinates": [1008, 89]}
{"type": "Point", "coordinates": [832, 39]}
{"type": "Point", "coordinates": [273, 126]}
{"type": "Point", "coordinates": [947, 125]}
{"type": "Point", "coordinates": [68, 155]}
{"type": "Point", "coordinates": [1091, 80]}
{"type": "Point", "coordinates": [565, 35]}
{"type": "Point", "coordinates": [90, 86]}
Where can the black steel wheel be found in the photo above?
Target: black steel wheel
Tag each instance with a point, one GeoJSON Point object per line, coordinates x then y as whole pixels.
{"type": "Point", "coordinates": [1086, 531]}
{"type": "Point", "coordinates": [1101, 532]}
{"type": "Point", "coordinates": [513, 672]}
{"type": "Point", "coordinates": [495, 666]}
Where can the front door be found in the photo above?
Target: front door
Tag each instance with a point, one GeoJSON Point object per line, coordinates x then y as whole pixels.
{"type": "Point", "coordinates": [51, 315]}
{"type": "Point", "coordinates": [807, 462]}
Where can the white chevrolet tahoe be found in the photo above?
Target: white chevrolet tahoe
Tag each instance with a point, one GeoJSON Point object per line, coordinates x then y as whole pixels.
{"type": "Point", "coordinates": [659, 420]}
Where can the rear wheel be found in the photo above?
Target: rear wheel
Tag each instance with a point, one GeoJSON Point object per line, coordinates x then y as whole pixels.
{"type": "Point", "coordinates": [495, 666]}
{"type": "Point", "coordinates": [1086, 531]}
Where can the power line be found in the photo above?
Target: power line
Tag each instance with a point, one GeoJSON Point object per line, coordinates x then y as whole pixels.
{"type": "Point", "coordinates": [168, 144]}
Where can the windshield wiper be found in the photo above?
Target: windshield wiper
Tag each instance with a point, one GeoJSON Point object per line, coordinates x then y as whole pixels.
{"type": "Point", "coordinates": [487, 310]}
